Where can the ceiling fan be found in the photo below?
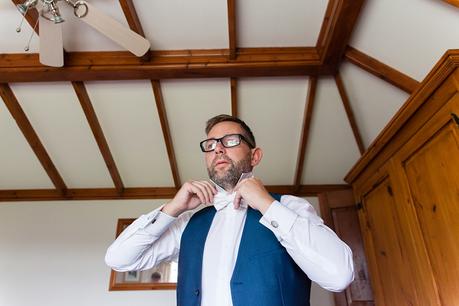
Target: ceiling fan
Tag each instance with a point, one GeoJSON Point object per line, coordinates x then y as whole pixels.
{"type": "Point", "coordinates": [50, 21]}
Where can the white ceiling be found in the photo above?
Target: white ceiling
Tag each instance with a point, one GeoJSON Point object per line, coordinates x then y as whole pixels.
{"type": "Point", "coordinates": [408, 35]}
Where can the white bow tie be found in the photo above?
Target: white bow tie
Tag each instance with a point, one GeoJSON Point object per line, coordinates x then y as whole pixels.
{"type": "Point", "coordinates": [223, 199]}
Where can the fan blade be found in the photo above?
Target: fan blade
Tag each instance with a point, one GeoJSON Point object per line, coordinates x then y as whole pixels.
{"type": "Point", "coordinates": [114, 30]}
{"type": "Point", "coordinates": [51, 45]}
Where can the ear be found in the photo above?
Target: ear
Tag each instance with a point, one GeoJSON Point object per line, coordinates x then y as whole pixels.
{"type": "Point", "coordinates": [257, 155]}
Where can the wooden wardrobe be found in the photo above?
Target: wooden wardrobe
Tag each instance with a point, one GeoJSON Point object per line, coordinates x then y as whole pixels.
{"type": "Point", "coordinates": [407, 189]}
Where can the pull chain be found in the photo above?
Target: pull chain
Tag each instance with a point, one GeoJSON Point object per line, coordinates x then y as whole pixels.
{"type": "Point", "coordinates": [18, 29]}
{"type": "Point", "coordinates": [31, 35]}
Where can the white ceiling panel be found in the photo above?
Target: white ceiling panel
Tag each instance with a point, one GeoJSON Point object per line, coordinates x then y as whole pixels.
{"type": "Point", "coordinates": [373, 100]}
{"type": "Point", "coordinates": [332, 149]}
{"type": "Point", "coordinates": [58, 119]}
{"type": "Point", "coordinates": [11, 41]}
{"type": "Point", "coordinates": [273, 108]}
{"type": "Point", "coordinates": [276, 23]}
{"type": "Point", "coordinates": [182, 24]}
{"type": "Point", "coordinates": [409, 35]}
{"type": "Point", "coordinates": [189, 104]}
{"type": "Point", "coordinates": [19, 166]}
{"type": "Point", "coordinates": [129, 118]}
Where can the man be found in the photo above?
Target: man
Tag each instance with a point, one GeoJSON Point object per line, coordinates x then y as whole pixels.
{"type": "Point", "coordinates": [245, 248]}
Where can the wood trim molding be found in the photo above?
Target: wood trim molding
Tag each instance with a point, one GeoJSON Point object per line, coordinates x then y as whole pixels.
{"type": "Point", "coordinates": [140, 193]}
{"type": "Point", "coordinates": [349, 113]}
{"type": "Point", "coordinates": [166, 131]}
{"type": "Point", "coordinates": [381, 70]}
{"type": "Point", "coordinates": [32, 138]}
{"type": "Point", "coordinates": [31, 16]}
{"type": "Point", "coordinates": [339, 22]}
{"type": "Point", "coordinates": [99, 136]}
{"type": "Point", "coordinates": [234, 103]}
{"type": "Point", "coordinates": [307, 118]}
{"type": "Point", "coordinates": [120, 65]}
{"type": "Point", "coordinates": [232, 28]}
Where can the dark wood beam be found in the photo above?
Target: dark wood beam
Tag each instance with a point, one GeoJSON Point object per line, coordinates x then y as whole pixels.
{"type": "Point", "coordinates": [166, 131]}
{"type": "Point", "coordinates": [349, 113]}
{"type": "Point", "coordinates": [96, 129]}
{"type": "Point", "coordinates": [340, 19]}
{"type": "Point", "coordinates": [232, 28]}
{"type": "Point", "coordinates": [307, 118]}
{"type": "Point", "coordinates": [234, 103]}
{"type": "Point", "coordinates": [139, 193]}
{"type": "Point", "coordinates": [31, 16]}
{"type": "Point", "coordinates": [131, 16]}
{"type": "Point", "coordinates": [87, 194]}
{"type": "Point", "coordinates": [120, 65]}
{"type": "Point", "coordinates": [381, 70]}
{"type": "Point", "coordinates": [453, 2]}
{"type": "Point", "coordinates": [133, 21]}
{"type": "Point", "coordinates": [32, 138]}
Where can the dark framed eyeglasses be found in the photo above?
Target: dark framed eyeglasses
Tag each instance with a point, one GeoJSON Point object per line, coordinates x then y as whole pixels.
{"type": "Point", "coordinates": [228, 141]}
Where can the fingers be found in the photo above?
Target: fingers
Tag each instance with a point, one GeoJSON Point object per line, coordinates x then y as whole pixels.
{"type": "Point", "coordinates": [237, 201]}
{"type": "Point", "coordinates": [204, 190]}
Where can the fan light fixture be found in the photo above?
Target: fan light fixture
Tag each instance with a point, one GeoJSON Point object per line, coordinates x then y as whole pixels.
{"type": "Point", "coordinates": [50, 20]}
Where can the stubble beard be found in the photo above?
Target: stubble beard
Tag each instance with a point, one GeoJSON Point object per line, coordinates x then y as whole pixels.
{"type": "Point", "coordinates": [230, 177]}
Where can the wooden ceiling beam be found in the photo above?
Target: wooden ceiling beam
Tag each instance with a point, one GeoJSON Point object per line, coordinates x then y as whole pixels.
{"type": "Point", "coordinates": [32, 138]}
{"type": "Point", "coordinates": [232, 28]}
{"type": "Point", "coordinates": [307, 118]}
{"type": "Point", "coordinates": [337, 27]}
{"type": "Point", "coordinates": [99, 136]}
{"type": "Point", "coordinates": [381, 70]}
{"type": "Point", "coordinates": [234, 103]}
{"type": "Point", "coordinates": [133, 21]}
{"type": "Point", "coordinates": [31, 16]}
{"type": "Point", "coordinates": [166, 131]}
{"type": "Point", "coordinates": [140, 193]}
{"type": "Point", "coordinates": [83, 66]}
{"type": "Point", "coordinates": [349, 113]}
{"type": "Point", "coordinates": [453, 2]}
{"type": "Point", "coordinates": [131, 16]}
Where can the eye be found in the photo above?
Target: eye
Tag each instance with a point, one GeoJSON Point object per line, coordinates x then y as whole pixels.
{"type": "Point", "coordinates": [209, 145]}
{"type": "Point", "coordinates": [231, 141]}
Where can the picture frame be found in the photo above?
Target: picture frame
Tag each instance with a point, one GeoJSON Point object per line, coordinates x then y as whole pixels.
{"type": "Point", "coordinates": [132, 276]}
{"type": "Point", "coordinates": [161, 277]}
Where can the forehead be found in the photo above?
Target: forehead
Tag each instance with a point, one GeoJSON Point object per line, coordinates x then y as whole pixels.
{"type": "Point", "coordinates": [223, 128]}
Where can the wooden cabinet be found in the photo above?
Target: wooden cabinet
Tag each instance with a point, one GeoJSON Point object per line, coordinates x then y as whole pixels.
{"type": "Point", "coordinates": [407, 186]}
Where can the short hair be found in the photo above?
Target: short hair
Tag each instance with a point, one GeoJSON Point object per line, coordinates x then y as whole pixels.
{"type": "Point", "coordinates": [224, 118]}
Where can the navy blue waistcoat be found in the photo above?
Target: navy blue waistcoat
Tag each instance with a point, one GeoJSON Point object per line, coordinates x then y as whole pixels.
{"type": "Point", "coordinates": [264, 274]}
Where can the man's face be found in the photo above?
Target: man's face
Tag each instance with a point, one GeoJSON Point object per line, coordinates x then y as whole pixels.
{"type": "Point", "coordinates": [225, 165]}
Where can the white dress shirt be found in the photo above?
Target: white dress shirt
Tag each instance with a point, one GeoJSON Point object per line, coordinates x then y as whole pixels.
{"type": "Point", "coordinates": [155, 237]}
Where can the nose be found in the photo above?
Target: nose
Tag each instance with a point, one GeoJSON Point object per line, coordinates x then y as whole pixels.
{"type": "Point", "coordinates": [219, 149]}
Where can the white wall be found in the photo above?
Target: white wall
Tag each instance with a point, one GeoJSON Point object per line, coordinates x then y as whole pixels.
{"type": "Point", "coordinates": [52, 254]}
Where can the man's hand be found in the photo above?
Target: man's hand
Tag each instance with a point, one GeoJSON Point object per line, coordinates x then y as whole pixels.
{"type": "Point", "coordinates": [190, 196]}
{"type": "Point", "coordinates": [254, 194]}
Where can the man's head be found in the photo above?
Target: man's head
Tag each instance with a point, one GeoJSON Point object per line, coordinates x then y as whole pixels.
{"type": "Point", "coordinates": [231, 150]}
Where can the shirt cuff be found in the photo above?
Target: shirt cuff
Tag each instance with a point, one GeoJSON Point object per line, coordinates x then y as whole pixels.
{"type": "Point", "coordinates": [157, 222]}
{"type": "Point", "coordinates": [278, 218]}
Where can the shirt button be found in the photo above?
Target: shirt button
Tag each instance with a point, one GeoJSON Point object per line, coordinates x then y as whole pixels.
{"type": "Point", "coordinates": [274, 224]}
{"type": "Point", "coordinates": [153, 221]}
{"type": "Point", "coordinates": [196, 292]}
